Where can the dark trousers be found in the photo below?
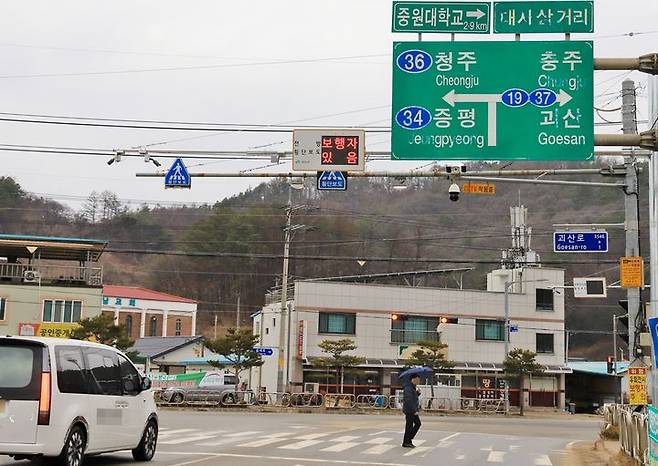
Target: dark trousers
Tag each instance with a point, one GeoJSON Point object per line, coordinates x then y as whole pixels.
{"type": "Point", "coordinates": [411, 427]}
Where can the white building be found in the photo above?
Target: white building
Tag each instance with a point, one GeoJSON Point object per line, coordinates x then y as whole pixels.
{"type": "Point", "coordinates": [363, 312]}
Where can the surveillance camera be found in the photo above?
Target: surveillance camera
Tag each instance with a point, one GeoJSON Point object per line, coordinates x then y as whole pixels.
{"type": "Point", "coordinates": [454, 191]}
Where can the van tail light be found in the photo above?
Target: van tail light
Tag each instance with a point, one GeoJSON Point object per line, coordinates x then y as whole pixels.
{"type": "Point", "coordinates": [44, 399]}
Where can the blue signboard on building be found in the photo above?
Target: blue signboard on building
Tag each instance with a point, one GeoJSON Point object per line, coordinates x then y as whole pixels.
{"type": "Point", "coordinates": [580, 241]}
{"type": "Point", "coordinates": [332, 181]}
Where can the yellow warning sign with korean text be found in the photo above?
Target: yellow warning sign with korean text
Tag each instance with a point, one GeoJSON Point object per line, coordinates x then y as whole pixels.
{"type": "Point", "coordinates": [637, 385]}
{"type": "Point", "coordinates": [631, 272]}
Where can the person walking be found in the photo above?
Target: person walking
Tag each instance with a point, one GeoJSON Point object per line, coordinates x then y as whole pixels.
{"type": "Point", "coordinates": [410, 407]}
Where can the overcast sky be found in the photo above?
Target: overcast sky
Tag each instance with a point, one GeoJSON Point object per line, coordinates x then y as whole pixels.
{"type": "Point", "coordinates": [81, 37]}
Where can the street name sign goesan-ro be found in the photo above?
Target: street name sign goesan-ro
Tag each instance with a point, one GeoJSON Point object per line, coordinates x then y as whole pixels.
{"type": "Point", "coordinates": [580, 241]}
{"type": "Point", "coordinates": [454, 17]}
{"type": "Point", "coordinates": [328, 149]}
{"type": "Point", "coordinates": [332, 181]}
{"type": "Point", "coordinates": [543, 17]}
{"type": "Point", "coordinates": [178, 176]}
{"type": "Point", "coordinates": [493, 101]}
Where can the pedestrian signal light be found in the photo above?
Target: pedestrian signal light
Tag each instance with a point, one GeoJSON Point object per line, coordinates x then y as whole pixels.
{"type": "Point", "coordinates": [611, 362]}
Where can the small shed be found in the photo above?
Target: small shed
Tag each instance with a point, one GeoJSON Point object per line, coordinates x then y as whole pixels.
{"type": "Point", "coordinates": [590, 385]}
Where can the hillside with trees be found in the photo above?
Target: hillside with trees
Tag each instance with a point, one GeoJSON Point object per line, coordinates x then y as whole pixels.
{"type": "Point", "coordinates": [215, 253]}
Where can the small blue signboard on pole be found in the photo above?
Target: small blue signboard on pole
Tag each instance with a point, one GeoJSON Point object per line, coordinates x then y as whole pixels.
{"type": "Point", "coordinates": [263, 351]}
{"type": "Point", "coordinates": [513, 328]}
{"type": "Point", "coordinates": [580, 241]}
{"type": "Point", "coordinates": [178, 176]}
{"type": "Point", "coordinates": [332, 181]}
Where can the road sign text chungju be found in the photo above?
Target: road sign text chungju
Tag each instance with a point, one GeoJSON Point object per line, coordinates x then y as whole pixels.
{"type": "Point", "coordinates": [493, 101]}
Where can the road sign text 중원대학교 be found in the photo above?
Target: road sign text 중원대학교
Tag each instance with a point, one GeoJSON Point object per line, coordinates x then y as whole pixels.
{"type": "Point", "coordinates": [493, 101]}
{"type": "Point", "coordinates": [454, 17]}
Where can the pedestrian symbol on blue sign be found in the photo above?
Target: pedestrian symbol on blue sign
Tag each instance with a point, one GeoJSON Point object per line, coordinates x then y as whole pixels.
{"type": "Point", "coordinates": [513, 328]}
{"type": "Point", "coordinates": [178, 176]}
{"type": "Point", "coordinates": [332, 181]}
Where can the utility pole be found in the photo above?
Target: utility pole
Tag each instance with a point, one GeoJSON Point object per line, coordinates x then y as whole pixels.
{"type": "Point", "coordinates": [653, 227]}
{"type": "Point", "coordinates": [631, 200]}
{"type": "Point", "coordinates": [237, 313]}
{"type": "Point", "coordinates": [214, 333]}
{"type": "Point", "coordinates": [283, 338]}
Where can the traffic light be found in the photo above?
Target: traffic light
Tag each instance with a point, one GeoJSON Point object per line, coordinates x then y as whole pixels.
{"type": "Point", "coordinates": [398, 317]}
{"type": "Point", "coordinates": [611, 365]}
{"type": "Point", "coordinates": [622, 331]}
{"type": "Point", "coordinates": [448, 320]}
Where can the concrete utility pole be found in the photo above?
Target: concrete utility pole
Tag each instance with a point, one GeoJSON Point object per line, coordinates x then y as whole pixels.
{"type": "Point", "coordinates": [237, 313]}
{"type": "Point", "coordinates": [653, 226]}
{"type": "Point", "coordinates": [283, 338]}
{"type": "Point", "coordinates": [631, 200]}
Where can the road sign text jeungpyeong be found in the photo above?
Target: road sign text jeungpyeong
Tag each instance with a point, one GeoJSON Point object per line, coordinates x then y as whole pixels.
{"type": "Point", "coordinates": [493, 101]}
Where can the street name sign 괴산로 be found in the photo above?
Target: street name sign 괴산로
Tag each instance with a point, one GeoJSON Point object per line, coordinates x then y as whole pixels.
{"type": "Point", "coordinates": [580, 241]}
{"type": "Point", "coordinates": [493, 101]}
{"type": "Point", "coordinates": [448, 17]}
{"type": "Point", "coordinates": [543, 17]}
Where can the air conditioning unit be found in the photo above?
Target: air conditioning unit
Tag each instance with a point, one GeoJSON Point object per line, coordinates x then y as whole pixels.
{"type": "Point", "coordinates": [311, 387]}
{"type": "Point", "coordinates": [31, 276]}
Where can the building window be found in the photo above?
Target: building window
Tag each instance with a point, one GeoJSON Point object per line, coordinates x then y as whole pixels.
{"type": "Point", "coordinates": [493, 330]}
{"type": "Point", "coordinates": [153, 327]}
{"type": "Point", "coordinates": [412, 329]}
{"type": "Point", "coordinates": [3, 308]}
{"type": "Point", "coordinates": [545, 343]}
{"type": "Point", "coordinates": [62, 311]}
{"type": "Point", "coordinates": [129, 325]}
{"type": "Point", "coordinates": [337, 323]}
{"type": "Point", "coordinates": [544, 299]}
{"type": "Point", "coordinates": [179, 327]}
{"type": "Point", "coordinates": [273, 321]}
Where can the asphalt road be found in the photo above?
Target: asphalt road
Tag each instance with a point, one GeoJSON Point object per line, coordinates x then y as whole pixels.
{"type": "Point", "coordinates": [276, 439]}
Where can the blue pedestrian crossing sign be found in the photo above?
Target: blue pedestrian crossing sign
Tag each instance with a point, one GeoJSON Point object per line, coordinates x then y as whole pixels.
{"type": "Point", "coordinates": [178, 176]}
{"type": "Point", "coordinates": [332, 181]}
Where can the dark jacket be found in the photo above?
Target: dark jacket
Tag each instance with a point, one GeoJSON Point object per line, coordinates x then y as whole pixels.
{"type": "Point", "coordinates": [410, 404]}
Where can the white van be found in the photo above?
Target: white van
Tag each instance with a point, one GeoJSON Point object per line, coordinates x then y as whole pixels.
{"type": "Point", "coordinates": [68, 398]}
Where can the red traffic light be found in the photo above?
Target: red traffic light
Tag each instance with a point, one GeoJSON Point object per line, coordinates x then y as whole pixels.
{"type": "Point", "coordinates": [394, 317]}
{"type": "Point", "coordinates": [448, 320]}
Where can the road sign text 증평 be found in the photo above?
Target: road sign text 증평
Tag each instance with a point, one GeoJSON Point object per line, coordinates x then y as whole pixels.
{"type": "Point", "coordinates": [493, 101]}
{"type": "Point", "coordinates": [543, 17]}
{"type": "Point", "coordinates": [580, 241]}
{"type": "Point", "coordinates": [454, 17]}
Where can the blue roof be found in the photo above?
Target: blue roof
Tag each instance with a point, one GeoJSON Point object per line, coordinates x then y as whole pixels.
{"type": "Point", "coordinates": [203, 361]}
{"type": "Point", "coordinates": [597, 367]}
{"type": "Point", "coordinates": [56, 239]}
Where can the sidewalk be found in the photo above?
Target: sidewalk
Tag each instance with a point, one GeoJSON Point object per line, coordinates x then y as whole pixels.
{"type": "Point", "coordinates": [599, 453]}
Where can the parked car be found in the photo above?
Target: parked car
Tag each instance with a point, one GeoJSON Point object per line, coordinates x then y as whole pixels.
{"type": "Point", "coordinates": [215, 386]}
{"type": "Point", "coordinates": [66, 399]}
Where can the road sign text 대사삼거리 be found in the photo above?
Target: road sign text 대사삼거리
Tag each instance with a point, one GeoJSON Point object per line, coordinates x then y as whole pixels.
{"type": "Point", "coordinates": [580, 241]}
{"type": "Point", "coordinates": [453, 17]}
{"type": "Point", "coordinates": [493, 101]}
{"type": "Point", "coordinates": [543, 17]}
{"type": "Point", "coordinates": [178, 176]}
{"type": "Point", "coordinates": [332, 181]}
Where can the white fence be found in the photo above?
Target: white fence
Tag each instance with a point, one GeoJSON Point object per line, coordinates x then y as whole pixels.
{"type": "Point", "coordinates": [633, 430]}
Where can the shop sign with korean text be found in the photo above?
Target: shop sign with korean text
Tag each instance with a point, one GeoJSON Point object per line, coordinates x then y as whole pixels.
{"type": "Point", "coordinates": [337, 150]}
{"type": "Point", "coordinates": [493, 100]}
{"type": "Point", "coordinates": [543, 17]}
{"type": "Point", "coordinates": [637, 385]}
{"type": "Point", "coordinates": [452, 17]}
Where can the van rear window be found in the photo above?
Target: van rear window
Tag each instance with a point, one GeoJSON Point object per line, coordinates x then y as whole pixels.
{"type": "Point", "coordinates": [21, 369]}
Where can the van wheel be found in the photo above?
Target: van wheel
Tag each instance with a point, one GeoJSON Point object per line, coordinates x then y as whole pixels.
{"type": "Point", "coordinates": [177, 398]}
{"type": "Point", "coordinates": [73, 453]}
{"type": "Point", "coordinates": [146, 448]}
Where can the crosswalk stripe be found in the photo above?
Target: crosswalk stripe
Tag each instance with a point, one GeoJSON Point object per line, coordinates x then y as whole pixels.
{"type": "Point", "coordinates": [419, 442]}
{"type": "Point", "coordinates": [378, 440]}
{"type": "Point", "coordinates": [417, 451]}
{"type": "Point", "coordinates": [338, 447]}
{"type": "Point", "coordinates": [242, 434]}
{"type": "Point", "coordinates": [263, 442]}
{"type": "Point", "coordinates": [311, 436]}
{"type": "Point", "coordinates": [300, 445]}
{"type": "Point", "coordinates": [345, 438]}
{"type": "Point", "coordinates": [379, 449]}
{"type": "Point", "coordinates": [444, 439]}
{"type": "Point", "coordinates": [178, 441]}
{"type": "Point", "coordinates": [496, 457]}
{"type": "Point", "coordinates": [176, 431]}
{"type": "Point", "coordinates": [447, 444]}
{"type": "Point", "coordinates": [543, 460]}
{"type": "Point", "coordinates": [279, 434]}
{"type": "Point", "coordinates": [460, 457]}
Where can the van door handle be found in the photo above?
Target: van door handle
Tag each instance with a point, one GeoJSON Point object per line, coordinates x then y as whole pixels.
{"type": "Point", "coordinates": [121, 404]}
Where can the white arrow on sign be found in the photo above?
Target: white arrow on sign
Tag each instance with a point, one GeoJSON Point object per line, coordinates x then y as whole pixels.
{"type": "Point", "coordinates": [477, 14]}
{"type": "Point", "coordinates": [563, 97]}
{"type": "Point", "coordinates": [491, 100]}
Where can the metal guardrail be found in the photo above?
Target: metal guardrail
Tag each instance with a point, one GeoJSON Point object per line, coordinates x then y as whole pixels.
{"type": "Point", "coordinates": [372, 401]}
{"type": "Point", "coordinates": [339, 400]}
{"type": "Point", "coordinates": [633, 430]}
{"type": "Point", "coordinates": [281, 399]}
{"type": "Point", "coordinates": [306, 400]}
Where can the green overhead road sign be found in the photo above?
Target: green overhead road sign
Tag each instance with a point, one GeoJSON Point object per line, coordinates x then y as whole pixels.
{"type": "Point", "coordinates": [457, 17]}
{"type": "Point", "coordinates": [493, 101]}
{"type": "Point", "coordinates": [543, 17]}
